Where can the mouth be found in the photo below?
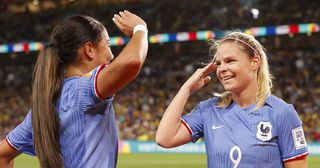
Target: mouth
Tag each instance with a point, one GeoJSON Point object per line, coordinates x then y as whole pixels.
{"type": "Point", "coordinates": [226, 78]}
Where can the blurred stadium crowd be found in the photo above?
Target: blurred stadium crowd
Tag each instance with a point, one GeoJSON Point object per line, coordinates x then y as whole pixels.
{"type": "Point", "coordinates": [294, 59]}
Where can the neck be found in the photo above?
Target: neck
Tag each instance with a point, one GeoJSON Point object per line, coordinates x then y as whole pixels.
{"type": "Point", "coordinates": [77, 70]}
{"type": "Point", "coordinates": [247, 97]}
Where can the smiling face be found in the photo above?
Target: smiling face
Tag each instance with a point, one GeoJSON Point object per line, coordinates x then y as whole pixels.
{"type": "Point", "coordinates": [235, 69]}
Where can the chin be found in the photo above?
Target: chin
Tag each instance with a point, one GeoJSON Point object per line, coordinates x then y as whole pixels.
{"type": "Point", "coordinates": [229, 89]}
{"type": "Point", "coordinates": [106, 62]}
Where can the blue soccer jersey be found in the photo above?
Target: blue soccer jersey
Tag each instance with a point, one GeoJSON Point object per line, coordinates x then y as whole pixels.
{"type": "Point", "coordinates": [88, 133]}
{"type": "Point", "coordinates": [241, 137]}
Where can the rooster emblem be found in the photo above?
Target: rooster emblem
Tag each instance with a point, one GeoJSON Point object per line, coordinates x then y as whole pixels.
{"type": "Point", "coordinates": [264, 132]}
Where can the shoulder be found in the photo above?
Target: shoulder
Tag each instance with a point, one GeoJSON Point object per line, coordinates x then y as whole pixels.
{"type": "Point", "coordinates": [209, 102]}
{"type": "Point", "coordinates": [208, 105]}
{"type": "Point", "coordinates": [95, 71]}
{"type": "Point", "coordinates": [276, 102]}
{"type": "Point", "coordinates": [280, 109]}
{"type": "Point", "coordinates": [82, 82]}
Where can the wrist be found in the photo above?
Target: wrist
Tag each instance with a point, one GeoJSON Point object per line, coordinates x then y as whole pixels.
{"type": "Point", "coordinates": [140, 27]}
{"type": "Point", "coordinates": [185, 90]}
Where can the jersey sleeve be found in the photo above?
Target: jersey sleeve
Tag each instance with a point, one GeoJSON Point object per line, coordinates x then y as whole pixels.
{"type": "Point", "coordinates": [194, 123]}
{"type": "Point", "coordinates": [91, 80]}
{"type": "Point", "coordinates": [291, 138]}
{"type": "Point", "coordinates": [21, 138]}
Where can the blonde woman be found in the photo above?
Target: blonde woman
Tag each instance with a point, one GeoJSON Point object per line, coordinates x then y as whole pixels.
{"type": "Point", "coordinates": [245, 126]}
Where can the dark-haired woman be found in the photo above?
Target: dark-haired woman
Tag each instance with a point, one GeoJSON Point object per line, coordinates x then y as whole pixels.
{"type": "Point", "coordinates": [71, 122]}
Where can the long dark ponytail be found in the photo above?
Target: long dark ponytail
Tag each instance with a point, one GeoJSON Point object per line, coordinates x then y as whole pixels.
{"type": "Point", "coordinates": [48, 75]}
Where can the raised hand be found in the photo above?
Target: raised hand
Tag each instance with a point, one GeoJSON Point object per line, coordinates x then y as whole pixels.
{"type": "Point", "coordinates": [199, 78]}
{"type": "Point", "coordinates": [126, 21]}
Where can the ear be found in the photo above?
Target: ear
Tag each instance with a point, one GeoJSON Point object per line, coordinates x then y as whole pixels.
{"type": "Point", "coordinates": [89, 49]}
{"type": "Point", "coordinates": [255, 62]}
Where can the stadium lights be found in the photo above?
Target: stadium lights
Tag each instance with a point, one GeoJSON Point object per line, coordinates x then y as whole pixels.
{"type": "Point", "coordinates": [255, 13]}
{"type": "Point", "coordinates": [290, 35]}
{"type": "Point", "coordinates": [35, 2]}
{"type": "Point", "coordinates": [290, 30]}
{"type": "Point", "coordinates": [309, 34]}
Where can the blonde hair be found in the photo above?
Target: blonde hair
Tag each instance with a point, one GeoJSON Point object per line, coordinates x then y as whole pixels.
{"type": "Point", "coordinates": [252, 48]}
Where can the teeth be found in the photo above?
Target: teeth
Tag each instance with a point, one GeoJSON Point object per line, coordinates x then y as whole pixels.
{"type": "Point", "coordinates": [226, 78]}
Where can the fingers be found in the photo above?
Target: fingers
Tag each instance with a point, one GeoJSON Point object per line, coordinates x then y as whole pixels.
{"type": "Point", "coordinates": [127, 13]}
{"type": "Point", "coordinates": [126, 21]}
{"type": "Point", "coordinates": [118, 21]}
{"type": "Point", "coordinates": [123, 15]}
{"type": "Point", "coordinates": [206, 79]}
{"type": "Point", "coordinates": [208, 69]}
{"type": "Point", "coordinates": [119, 18]}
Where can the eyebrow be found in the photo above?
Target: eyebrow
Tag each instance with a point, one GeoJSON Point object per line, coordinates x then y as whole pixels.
{"type": "Point", "coordinates": [227, 57]}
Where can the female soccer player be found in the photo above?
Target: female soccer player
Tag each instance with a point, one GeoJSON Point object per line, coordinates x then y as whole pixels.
{"type": "Point", "coordinates": [245, 126]}
{"type": "Point", "coordinates": [72, 122]}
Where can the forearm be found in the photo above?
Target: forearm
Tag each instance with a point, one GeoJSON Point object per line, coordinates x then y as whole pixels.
{"type": "Point", "coordinates": [125, 67]}
{"type": "Point", "coordinates": [140, 43]}
{"type": "Point", "coordinates": [133, 26]}
{"type": "Point", "coordinates": [7, 154]}
{"type": "Point", "coordinates": [5, 163]}
{"type": "Point", "coordinates": [136, 50]}
{"type": "Point", "coordinates": [301, 163]}
{"type": "Point", "coordinates": [171, 131]}
{"type": "Point", "coordinates": [171, 121]}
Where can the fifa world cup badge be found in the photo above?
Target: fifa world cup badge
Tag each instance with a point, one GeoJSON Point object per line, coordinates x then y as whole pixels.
{"type": "Point", "coordinates": [264, 132]}
{"type": "Point", "coordinates": [299, 138]}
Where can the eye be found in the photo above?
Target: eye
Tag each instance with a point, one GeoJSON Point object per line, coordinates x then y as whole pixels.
{"type": "Point", "coordinates": [230, 60]}
{"type": "Point", "coordinates": [108, 43]}
{"type": "Point", "coordinates": [218, 63]}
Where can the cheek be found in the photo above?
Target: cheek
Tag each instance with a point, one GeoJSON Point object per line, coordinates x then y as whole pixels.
{"type": "Point", "coordinates": [110, 55]}
{"type": "Point", "coordinates": [217, 74]}
{"type": "Point", "coordinates": [108, 52]}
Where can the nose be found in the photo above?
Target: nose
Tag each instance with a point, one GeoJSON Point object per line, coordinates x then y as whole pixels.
{"type": "Point", "coordinates": [221, 68]}
{"type": "Point", "coordinates": [111, 55]}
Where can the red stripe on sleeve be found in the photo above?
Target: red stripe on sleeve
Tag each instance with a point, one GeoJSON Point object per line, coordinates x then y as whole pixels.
{"type": "Point", "coordinates": [299, 157]}
{"type": "Point", "coordinates": [8, 142]}
{"type": "Point", "coordinates": [187, 126]}
{"type": "Point", "coordinates": [96, 82]}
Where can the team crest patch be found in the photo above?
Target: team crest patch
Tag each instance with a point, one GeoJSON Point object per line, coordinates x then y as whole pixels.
{"type": "Point", "coordinates": [264, 132]}
{"type": "Point", "coordinates": [298, 138]}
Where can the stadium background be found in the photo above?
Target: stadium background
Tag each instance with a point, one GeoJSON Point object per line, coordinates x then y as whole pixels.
{"type": "Point", "coordinates": [289, 30]}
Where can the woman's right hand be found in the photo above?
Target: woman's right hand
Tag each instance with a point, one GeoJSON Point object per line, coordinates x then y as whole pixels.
{"type": "Point", "coordinates": [126, 21]}
{"type": "Point", "coordinates": [171, 131]}
{"type": "Point", "coordinates": [199, 78]}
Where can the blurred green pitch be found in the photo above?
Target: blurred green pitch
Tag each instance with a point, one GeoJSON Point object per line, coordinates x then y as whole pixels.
{"type": "Point", "coordinates": [152, 160]}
